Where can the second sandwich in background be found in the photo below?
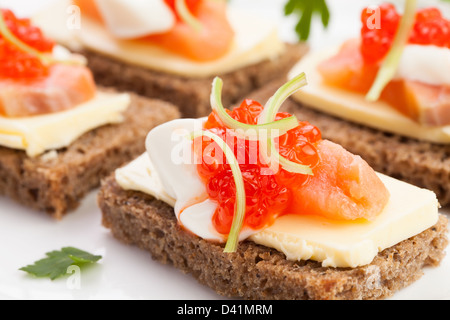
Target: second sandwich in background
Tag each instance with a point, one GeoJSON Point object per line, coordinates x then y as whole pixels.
{"type": "Point", "coordinates": [405, 133]}
{"type": "Point", "coordinates": [173, 49]}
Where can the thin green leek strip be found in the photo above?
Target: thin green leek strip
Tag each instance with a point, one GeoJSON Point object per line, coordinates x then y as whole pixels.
{"type": "Point", "coordinates": [269, 114]}
{"type": "Point", "coordinates": [240, 205]}
{"type": "Point", "coordinates": [187, 16]}
{"type": "Point", "coordinates": [273, 129]}
{"type": "Point", "coordinates": [274, 104]}
{"type": "Point", "coordinates": [22, 46]}
{"type": "Point", "coordinates": [392, 60]}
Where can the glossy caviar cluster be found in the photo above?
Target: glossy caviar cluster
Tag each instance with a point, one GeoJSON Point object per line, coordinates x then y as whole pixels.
{"type": "Point", "coordinates": [263, 191]}
{"type": "Point", "coordinates": [430, 28]}
{"type": "Point", "coordinates": [15, 63]}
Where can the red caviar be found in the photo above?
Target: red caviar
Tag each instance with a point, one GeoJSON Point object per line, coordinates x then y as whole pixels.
{"type": "Point", "coordinates": [15, 63]}
{"type": "Point", "coordinates": [267, 196]}
{"type": "Point", "coordinates": [430, 28]}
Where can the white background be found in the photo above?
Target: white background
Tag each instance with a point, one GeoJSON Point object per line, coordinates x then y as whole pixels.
{"type": "Point", "coordinates": [127, 272]}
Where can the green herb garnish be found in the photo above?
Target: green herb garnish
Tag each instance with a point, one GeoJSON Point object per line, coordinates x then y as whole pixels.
{"type": "Point", "coordinates": [57, 262]}
{"type": "Point", "coordinates": [248, 131]}
{"type": "Point", "coordinates": [268, 150]}
{"type": "Point", "coordinates": [305, 9]}
{"type": "Point", "coordinates": [267, 126]}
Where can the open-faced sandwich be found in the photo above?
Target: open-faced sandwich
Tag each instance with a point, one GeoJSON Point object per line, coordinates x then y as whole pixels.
{"type": "Point", "coordinates": [59, 133]}
{"type": "Point", "coordinates": [255, 204]}
{"type": "Point", "coordinates": [172, 49]}
{"type": "Point", "coordinates": [386, 95]}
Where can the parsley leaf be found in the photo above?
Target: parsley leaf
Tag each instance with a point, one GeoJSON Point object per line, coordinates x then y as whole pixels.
{"type": "Point", "coordinates": [305, 9]}
{"type": "Point", "coordinates": [56, 263]}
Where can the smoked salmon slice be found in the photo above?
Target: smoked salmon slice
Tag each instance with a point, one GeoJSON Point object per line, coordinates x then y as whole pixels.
{"type": "Point", "coordinates": [213, 41]}
{"type": "Point", "coordinates": [63, 88]}
{"type": "Point", "coordinates": [344, 187]}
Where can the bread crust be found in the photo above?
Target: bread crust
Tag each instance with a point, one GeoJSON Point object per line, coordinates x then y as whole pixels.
{"type": "Point", "coordinates": [257, 272]}
{"type": "Point", "coordinates": [420, 163]}
{"type": "Point", "coordinates": [191, 95]}
{"type": "Point", "coordinates": [56, 185]}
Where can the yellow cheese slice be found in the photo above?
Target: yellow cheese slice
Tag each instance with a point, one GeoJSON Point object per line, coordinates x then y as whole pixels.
{"type": "Point", "coordinates": [410, 211]}
{"type": "Point", "coordinates": [38, 134]}
{"type": "Point", "coordinates": [353, 106]}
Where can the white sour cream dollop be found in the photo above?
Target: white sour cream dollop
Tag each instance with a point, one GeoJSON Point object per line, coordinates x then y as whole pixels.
{"type": "Point", "coordinates": [427, 64]}
{"type": "Point", "coordinates": [170, 151]}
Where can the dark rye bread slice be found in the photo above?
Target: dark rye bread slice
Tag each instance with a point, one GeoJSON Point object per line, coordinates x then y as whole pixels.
{"type": "Point", "coordinates": [191, 95]}
{"type": "Point", "coordinates": [258, 272]}
{"type": "Point", "coordinates": [423, 164]}
{"type": "Point", "coordinates": [57, 184]}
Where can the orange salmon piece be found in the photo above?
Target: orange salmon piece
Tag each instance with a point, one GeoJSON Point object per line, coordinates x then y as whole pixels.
{"type": "Point", "coordinates": [347, 69]}
{"type": "Point", "coordinates": [65, 87]}
{"type": "Point", "coordinates": [213, 41]}
{"type": "Point", "coordinates": [89, 8]}
{"type": "Point", "coordinates": [344, 187]}
{"type": "Point", "coordinates": [425, 103]}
